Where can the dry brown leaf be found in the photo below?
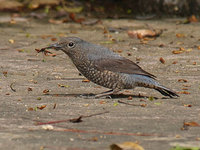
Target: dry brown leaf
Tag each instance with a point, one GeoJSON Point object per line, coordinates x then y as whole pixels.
{"type": "Point", "coordinates": [53, 39]}
{"type": "Point", "coordinates": [180, 35]}
{"type": "Point", "coordinates": [192, 124]}
{"type": "Point", "coordinates": [56, 21]}
{"type": "Point", "coordinates": [181, 50]}
{"type": "Point", "coordinates": [182, 80]}
{"type": "Point", "coordinates": [30, 109]}
{"type": "Point", "coordinates": [11, 41]}
{"type": "Point", "coordinates": [194, 63]}
{"type": "Point", "coordinates": [142, 33]}
{"type": "Point", "coordinates": [186, 85]}
{"type": "Point", "coordinates": [85, 80]}
{"type": "Point", "coordinates": [192, 19]}
{"type": "Point", "coordinates": [162, 60]}
{"type": "Point", "coordinates": [184, 92]}
{"type": "Point", "coordinates": [30, 89]}
{"type": "Point", "coordinates": [41, 107]}
{"type": "Point", "coordinates": [46, 91]}
{"type": "Point", "coordinates": [174, 62]}
{"type": "Point", "coordinates": [187, 105]}
{"type": "Point", "coordinates": [126, 146]}
{"type": "Point", "coordinates": [102, 102]}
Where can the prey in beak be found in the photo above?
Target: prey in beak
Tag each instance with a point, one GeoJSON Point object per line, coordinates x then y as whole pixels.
{"type": "Point", "coordinates": [55, 46]}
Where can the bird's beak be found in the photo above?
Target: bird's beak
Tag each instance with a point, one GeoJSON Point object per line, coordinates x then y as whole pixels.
{"type": "Point", "coordinates": [55, 46]}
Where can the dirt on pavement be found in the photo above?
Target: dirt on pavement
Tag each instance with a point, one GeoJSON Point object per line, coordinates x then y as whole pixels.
{"type": "Point", "coordinates": [36, 88]}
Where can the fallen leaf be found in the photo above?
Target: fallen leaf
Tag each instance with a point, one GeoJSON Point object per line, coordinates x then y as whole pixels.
{"type": "Point", "coordinates": [85, 80]}
{"type": "Point", "coordinates": [162, 60]}
{"type": "Point", "coordinates": [39, 98]}
{"type": "Point", "coordinates": [115, 104]}
{"type": "Point", "coordinates": [73, 9]}
{"type": "Point", "coordinates": [5, 73]}
{"type": "Point", "coordinates": [126, 146]}
{"type": "Point", "coordinates": [188, 50]}
{"type": "Point", "coordinates": [177, 51]}
{"type": "Point", "coordinates": [30, 109]}
{"type": "Point", "coordinates": [45, 36]}
{"type": "Point", "coordinates": [185, 148]}
{"type": "Point", "coordinates": [192, 19]}
{"type": "Point", "coordinates": [41, 107]}
{"type": "Point", "coordinates": [94, 139]}
{"type": "Point", "coordinates": [187, 105]}
{"type": "Point", "coordinates": [12, 21]}
{"type": "Point", "coordinates": [192, 124]}
{"type": "Point", "coordinates": [184, 92]}
{"type": "Point", "coordinates": [20, 50]}
{"type": "Point", "coordinates": [61, 85]}
{"type": "Point", "coordinates": [161, 45]}
{"type": "Point", "coordinates": [53, 39]}
{"type": "Point", "coordinates": [180, 35]}
{"type": "Point", "coordinates": [72, 16]}
{"type": "Point", "coordinates": [142, 33]}
{"type": "Point", "coordinates": [53, 21]}
{"type": "Point", "coordinates": [182, 80]}
{"type": "Point", "coordinates": [157, 103]}
{"type": "Point", "coordinates": [54, 106]}
{"type": "Point", "coordinates": [129, 54]}
{"type": "Point", "coordinates": [47, 127]}
{"type": "Point", "coordinates": [46, 91]}
{"type": "Point", "coordinates": [143, 105]}
{"type": "Point", "coordinates": [151, 98]}
{"type": "Point", "coordinates": [11, 41]}
{"type": "Point", "coordinates": [102, 102]}
{"type": "Point", "coordinates": [30, 89]}
{"type": "Point", "coordinates": [186, 85]}
{"type": "Point", "coordinates": [194, 63]}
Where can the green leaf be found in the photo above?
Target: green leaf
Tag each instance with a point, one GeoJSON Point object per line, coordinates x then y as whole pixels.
{"type": "Point", "coordinates": [185, 148]}
{"type": "Point", "coordinates": [115, 104]}
{"type": "Point", "coordinates": [151, 98]}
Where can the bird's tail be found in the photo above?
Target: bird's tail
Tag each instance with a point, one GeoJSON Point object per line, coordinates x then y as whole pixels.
{"type": "Point", "coordinates": [166, 92]}
{"type": "Point", "coordinates": [148, 82]}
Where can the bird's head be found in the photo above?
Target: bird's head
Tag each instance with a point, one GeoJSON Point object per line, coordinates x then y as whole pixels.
{"type": "Point", "coordinates": [69, 45]}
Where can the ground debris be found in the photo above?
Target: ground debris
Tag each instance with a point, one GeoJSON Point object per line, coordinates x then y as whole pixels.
{"type": "Point", "coordinates": [73, 120]}
{"type": "Point", "coordinates": [126, 146]}
{"type": "Point", "coordinates": [122, 102]}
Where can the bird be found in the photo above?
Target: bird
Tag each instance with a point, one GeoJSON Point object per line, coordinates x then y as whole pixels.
{"type": "Point", "coordinates": [107, 68]}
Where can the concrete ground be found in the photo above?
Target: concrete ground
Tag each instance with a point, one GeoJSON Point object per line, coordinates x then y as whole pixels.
{"type": "Point", "coordinates": [155, 122]}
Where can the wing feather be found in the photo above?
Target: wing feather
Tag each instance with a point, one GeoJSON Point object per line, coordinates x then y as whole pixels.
{"type": "Point", "coordinates": [121, 65]}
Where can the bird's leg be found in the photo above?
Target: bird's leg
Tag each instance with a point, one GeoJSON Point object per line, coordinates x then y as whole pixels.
{"type": "Point", "coordinates": [107, 93]}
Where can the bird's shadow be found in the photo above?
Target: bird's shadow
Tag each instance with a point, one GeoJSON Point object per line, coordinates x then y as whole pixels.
{"type": "Point", "coordinates": [92, 96]}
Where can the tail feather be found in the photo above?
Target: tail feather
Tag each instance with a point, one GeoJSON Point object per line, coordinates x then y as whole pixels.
{"type": "Point", "coordinates": [166, 92]}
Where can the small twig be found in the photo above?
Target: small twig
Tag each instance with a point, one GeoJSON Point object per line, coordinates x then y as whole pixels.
{"type": "Point", "coordinates": [142, 105]}
{"type": "Point", "coordinates": [11, 87]}
{"type": "Point", "coordinates": [73, 120]}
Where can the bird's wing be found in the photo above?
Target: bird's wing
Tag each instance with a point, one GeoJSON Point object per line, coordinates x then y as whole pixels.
{"type": "Point", "coordinates": [121, 65]}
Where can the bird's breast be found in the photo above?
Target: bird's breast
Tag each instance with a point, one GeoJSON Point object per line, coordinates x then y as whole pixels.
{"type": "Point", "coordinates": [104, 78]}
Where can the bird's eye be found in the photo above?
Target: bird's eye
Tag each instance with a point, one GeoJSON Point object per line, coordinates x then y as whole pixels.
{"type": "Point", "coordinates": [71, 44]}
